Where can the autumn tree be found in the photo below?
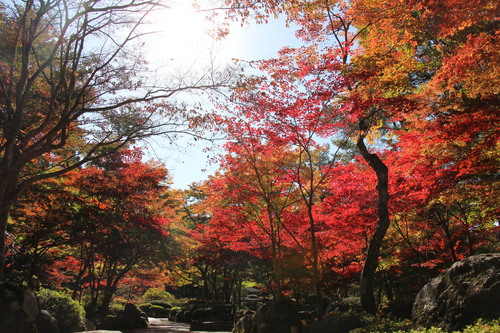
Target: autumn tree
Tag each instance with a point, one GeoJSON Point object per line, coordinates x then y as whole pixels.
{"type": "Point", "coordinates": [441, 57]}
{"type": "Point", "coordinates": [324, 65]}
{"type": "Point", "coordinates": [71, 71]}
{"type": "Point", "coordinates": [201, 254]}
{"type": "Point", "coordinates": [293, 110]}
{"type": "Point", "coordinates": [41, 224]}
{"type": "Point", "coordinates": [412, 66]}
{"type": "Point", "coordinates": [106, 219]}
{"type": "Point", "coordinates": [254, 191]}
{"type": "Point", "coordinates": [130, 213]}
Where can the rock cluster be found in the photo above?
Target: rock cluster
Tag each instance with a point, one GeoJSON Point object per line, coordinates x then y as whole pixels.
{"type": "Point", "coordinates": [19, 309]}
{"type": "Point", "coordinates": [467, 291]}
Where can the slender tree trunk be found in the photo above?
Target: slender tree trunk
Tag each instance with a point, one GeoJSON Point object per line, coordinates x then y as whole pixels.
{"type": "Point", "coordinates": [107, 297]}
{"type": "Point", "coordinates": [277, 273]}
{"type": "Point", "coordinates": [372, 254]}
{"type": "Point", "coordinates": [315, 266]}
{"type": "Point", "coordinates": [4, 218]}
{"type": "Point", "coordinates": [8, 195]}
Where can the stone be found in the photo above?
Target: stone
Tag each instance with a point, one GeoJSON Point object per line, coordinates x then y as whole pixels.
{"type": "Point", "coordinates": [47, 323]}
{"type": "Point", "coordinates": [183, 316]}
{"type": "Point", "coordinates": [399, 308]}
{"type": "Point", "coordinates": [211, 317]}
{"type": "Point", "coordinates": [18, 309]}
{"type": "Point", "coordinates": [467, 291]}
{"type": "Point", "coordinates": [213, 312]}
{"type": "Point", "coordinates": [130, 318]}
{"type": "Point", "coordinates": [306, 318]}
{"type": "Point", "coordinates": [173, 314]}
{"type": "Point", "coordinates": [277, 317]}
{"type": "Point", "coordinates": [134, 317]}
{"type": "Point", "coordinates": [89, 325]}
{"type": "Point", "coordinates": [243, 321]}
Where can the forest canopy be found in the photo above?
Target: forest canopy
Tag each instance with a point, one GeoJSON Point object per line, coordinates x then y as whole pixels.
{"type": "Point", "coordinates": [362, 163]}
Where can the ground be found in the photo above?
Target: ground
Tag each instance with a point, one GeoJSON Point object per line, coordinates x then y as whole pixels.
{"type": "Point", "coordinates": [163, 325]}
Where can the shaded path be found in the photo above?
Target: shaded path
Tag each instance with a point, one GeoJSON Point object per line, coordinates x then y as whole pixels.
{"type": "Point", "coordinates": [163, 325]}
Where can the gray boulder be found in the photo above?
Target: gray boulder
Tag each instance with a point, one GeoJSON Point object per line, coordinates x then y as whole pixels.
{"type": "Point", "coordinates": [89, 325]}
{"type": "Point", "coordinates": [132, 317]}
{"type": "Point", "coordinates": [467, 291]}
{"type": "Point", "coordinates": [277, 317]}
{"type": "Point", "coordinates": [47, 323]}
{"type": "Point", "coordinates": [243, 321]}
{"type": "Point", "coordinates": [19, 309]}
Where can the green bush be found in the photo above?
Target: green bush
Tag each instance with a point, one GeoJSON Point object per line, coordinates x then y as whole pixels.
{"type": "Point", "coordinates": [68, 313]}
{"type": "Point", "coordinates": [116, 307]}
{"type": "Point", "coordinates": [484, 327]}
{"type": "Point", "coordinates": [379, 325]}
{"type": "Point", "coordinates": [155, 311]}
{"type": "Point", "coordinates": [384, 326]}
{"type": "Point", "coordinates": [153, 294]}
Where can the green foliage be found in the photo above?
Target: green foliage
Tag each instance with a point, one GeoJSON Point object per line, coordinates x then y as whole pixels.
{"type": "Point", "coordinates": [146, 308]}
{"type": "Point", "coordinates": [379, 325]}
{"type": "Point", "coordinates": [484, 327]}
{"type": "Point", "coordinates": [384, 325]}
{"type": "Point", "coordinates": [155, 311]}
{"type": "Point", "coordinates": [116, 307]}
{"type": "Point", "coordinates": [68, 312]}
{"type": "Point", "coordinates": [346, 304]}
{"type": "Point", "coordinates": [153, 294]}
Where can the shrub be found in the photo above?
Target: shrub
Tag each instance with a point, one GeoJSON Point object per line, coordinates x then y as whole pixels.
{"type": "Point", "coordinates": [346, 304]}
{"type": "Point", "coordinates": [116, 307]}
{"type": "Point", "coordinates": [154, 294]}
{"type": "Point", "coordinates": [379, 325]}
{"type": "Point", "coordinates": [155, 311]}
{"type": "Point", "coordinates": [484, 327]}
{"type": "Point", "coordinates": [68, 313]}
{"type": "Point", "coordinates": [399, 327]}
{"type": "Point", "coordinates": [163, 304]}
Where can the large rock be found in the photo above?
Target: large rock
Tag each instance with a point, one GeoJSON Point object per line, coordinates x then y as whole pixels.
{"type": "Point", "coordinates": [467, 291]}
{"type": "Point", "coordinates": [47, 323]}
{"type": "Point", "coordinates": [277, 317]}
{"type": "Point", "coordinates": [212, 317]}
{"type": "Point", "coordinates": [18, 309]}
{"type": "Point", "coordinates": [133, 317]}
{"type": "Point", "coordinates": [243, 321]}
{"type": "Point", "coordinates": [130, 318]}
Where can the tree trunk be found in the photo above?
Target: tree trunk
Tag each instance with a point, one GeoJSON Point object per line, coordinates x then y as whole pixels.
{"type": "Point", "coordinates": [9, 192]}
{"type": "Point", "coordinates": [4, 218]}
{"type": "Point", "coordinates": [107, 297]}
{"type": "Point", "coordinates": [372, 254]}
{"type": "Point", "coordinates": [277, 270]}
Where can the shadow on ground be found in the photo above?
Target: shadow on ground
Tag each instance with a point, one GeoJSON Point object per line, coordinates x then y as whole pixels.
{"type": "Point", "coordinates": [163, 325]}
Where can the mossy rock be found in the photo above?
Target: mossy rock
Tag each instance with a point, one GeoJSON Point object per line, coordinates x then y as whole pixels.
{"type": "Point", "coordinates": [276, 317]}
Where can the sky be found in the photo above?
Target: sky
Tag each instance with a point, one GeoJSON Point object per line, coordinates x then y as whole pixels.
{"type": "Point", "coordinates": [184, 44]}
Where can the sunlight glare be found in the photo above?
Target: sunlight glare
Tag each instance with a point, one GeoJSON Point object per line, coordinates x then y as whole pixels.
{"type": "Point", "coordinates": [181, 37]}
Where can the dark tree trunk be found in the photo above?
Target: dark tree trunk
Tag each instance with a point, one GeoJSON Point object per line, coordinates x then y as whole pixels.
{"type": "Point", "coordinates": [4, 218]}
{"type": "Point", "coordinates": [9, 191]}
{"type": "Point", "coordinates": [372, 254]}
